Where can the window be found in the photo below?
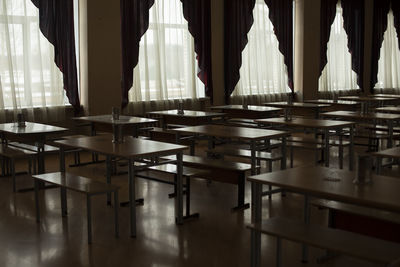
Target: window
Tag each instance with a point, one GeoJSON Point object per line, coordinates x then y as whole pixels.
{"type": "Point", "coordinates": [389, 61]}
{"type": "Point", "coordinates": [338, 74]}
{"type": "Point", "coordinates": [28, 75]}
{"type": "Point", "coordinates": [167, 67]}
{"type": "Point", "coordinates": [263, 69]}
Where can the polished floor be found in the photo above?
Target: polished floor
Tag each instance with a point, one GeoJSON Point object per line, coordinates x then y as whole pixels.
{"type": "Point", "coordinates": [217, 238]}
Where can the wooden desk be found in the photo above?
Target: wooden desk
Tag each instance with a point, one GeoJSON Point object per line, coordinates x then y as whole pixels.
{"type": "Point", "coordinates": [316, 108]}
{"type": "Point", "coordinates": [325, 125]}
{"type": "Point", "coordinates": [327, 183]}
{"type": "Point", "coordinates": [345, 104]}
{"type": "Point", "coordinates": [386, 95]}
{"type": "Point", "coordinates": [366, 98]}
{"type": "Point", "coordinates": [34, 132]}
{"type": "Point", "coordinates": [189, 117]}
{"type": "Point", "coordinates": [393, 153]}
{"type": "Point", "coordinates": [394, 110]}
{"type": "Point", "coordinates": [123, 121]}
{"type": "Point", "coordinates": [251, 112]}
{"type": "Point", "coordinates": [389, 118]}
{"type": "Point", "coordinates": [251, 135]}
{"type": "Point", "coordinates": [133, 149]}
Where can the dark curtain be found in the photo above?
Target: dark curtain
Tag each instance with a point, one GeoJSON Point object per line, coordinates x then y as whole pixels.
{"type": "Point", "coordinates": [56, 22]}
{"type": "Point", "coordinates": [353, 23]}
{"type": "Point", "coordinates": [134, 23]}
{"type": "Point", "coordinates": [281, 16]}
{"type": "Point", "coordinates": [237, 22]}
{"type": "Point", "coordinates": [328, 12]}
{"type": "Point", "coordinates": [198, 15]}
{"type": "Point", "coordinates": [381, 10]}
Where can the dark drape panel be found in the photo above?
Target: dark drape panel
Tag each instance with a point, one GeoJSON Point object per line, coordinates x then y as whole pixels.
{"type": "Point", "coordinates": [238, 21]}
{"type": "Point", "coordinates": [134, 23]}
{"type": "Point", "coordinates": [353, 23]}
{"type": "Point", "coordinates": [198, 15]}
{"type": "Point", "coordinates": [381, 10]}
{"type": "Point", "coordinates": [56, 22]}
{"type": "Point", "coordinates": [328, 12]}
{"type": "Point", "coordinates": [396, 14]}
{"type": "Point", "coordinates": [281, 16]}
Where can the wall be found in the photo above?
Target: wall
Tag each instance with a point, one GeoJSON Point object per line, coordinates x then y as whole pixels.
{"type": "Point", "coordinates": [100, 55]}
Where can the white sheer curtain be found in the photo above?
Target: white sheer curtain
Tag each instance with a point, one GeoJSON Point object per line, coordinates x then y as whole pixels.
{"type": "Point", "coordinates": [167, 67]}
{"type": "Point", "coordinates": [28, 75]}
{"type": "Point", "coordinates": [389, 61]}
{"type": "Point", "coordinates": [263, 69]}
{"type": "Point", "coordinates": [337, 74]}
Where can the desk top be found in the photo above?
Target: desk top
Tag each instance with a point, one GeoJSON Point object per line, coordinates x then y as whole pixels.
{"type": "Point", "coordinates": [386, 95]}
{"type": "Point", "coordinates": [30, 128]}
{"type": "Point", "coordinates": [360, 115]}
{"type": "Point", "coordinates": [333, 102]}
{"type": "Point", "coordinates": [388, 153]}
{"type": "Point", "coordinates": [336, 184]}
{"type": "Point", "coordinates": [131, 148]}
{"type": "Point", "coordinates": [123, 120]}
{"type": "Point", "coordinates": [187, 113]}
{"type": "Point", "coordinates": [249, 108]}
{"type": "Point", "coordinates": [231, 132]}
{"type": "Point", "coordinates": [365, 98]}
{"type": "Point", "coordinates": [296, 105]}
{"type": "Point", "coordinates": [395, 110]}
{"type": "Point", "coordinates": [309, 123]}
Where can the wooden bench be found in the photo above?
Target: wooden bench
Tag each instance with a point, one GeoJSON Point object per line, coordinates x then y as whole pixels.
{"type": "Point", "coordinates": [168, 136]}
{"type": "Point", "coordinates": [338, 241]}
{"type": "Point", "coordinates": [227, 150]}
{"type": "Point", "coordinates": [79, 184]}
{"type": "Point", "coordinates": [221, 171]}
{"type": "Point", "coordinates": [13, 153]}
{"type": "Point", "coordinates": [363, 220]}
{"type": "Point", "coordinates": [187, 172]}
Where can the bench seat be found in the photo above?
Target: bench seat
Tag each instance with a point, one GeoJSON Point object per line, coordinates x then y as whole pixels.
{"type": "Point", "coordinates": [79, 184]}
{"type": "Point", "coordinates": [339, 241]}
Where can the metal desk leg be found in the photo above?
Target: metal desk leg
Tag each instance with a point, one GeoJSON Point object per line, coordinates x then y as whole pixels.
{"type": "Point", "coordinates": [132, 197]}
{"type": "Point", "coordinates": [351, 148]}
{"type": "Point", "coordinates": [179, 188]}
{"type": "Point", "coordinates": [306, 221]}
{"type": "Point", "coordinates": [108, 176]}
{"type": "Point", "coordinates": [283, 151]}
{"type": "Point", "coordinates": [390, 139]}
{"type": "Point", "coordinates": [256, 217]}
{"type": "Point", "coordinates": [378, 165]}
{"type": "Point", "coordinates": [326, 132]}
{"type": "Point", "coordinates": [253, 157]}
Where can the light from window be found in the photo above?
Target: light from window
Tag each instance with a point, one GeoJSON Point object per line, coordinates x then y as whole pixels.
{"type": "Point", "coordinates": [167, 67]}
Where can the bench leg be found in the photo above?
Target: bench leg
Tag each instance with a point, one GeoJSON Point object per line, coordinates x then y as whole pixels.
{"type": "Point", "coordinates": [188, 214]}
{"type": "Point", "coordinates": [14, 185]}
{"type": "Point", "coordinates": [291, 157]}
{"type": "Point", "coordinates": [116, 207]}
{"type": "Point", "coordinates": [278, 252]}
{"type": "Point", "coordinates": [89, 218]}
{"type": "Point", "coordinates": [241, 188]}
{"type": "Point", "coordinates": [306, 221]}
{"type": "Point", "coordinates": [63, 195]}
{"type": "Point", "coordinates": [340, 156]}
{"type": "Point", "coordinates": [36, 184]}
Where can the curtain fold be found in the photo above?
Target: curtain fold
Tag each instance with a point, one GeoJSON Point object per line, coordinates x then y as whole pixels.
{"type": "Point", "coordinates": [56, 22]}
{"type": "Point", "coordinates": [134, 23]}
{"type": "Point", "coordinates": [328, 12]}
{"type": "Point", "coordinates": [380, 22]}
{"type": "Point", "coordinates": [237, 22]}
{"type": "Point", "coordinates": [353, 18]}
{"type": "Point", "coordinates": [198, 15]}
{"type": "Point", "coordinates": [281, 16]}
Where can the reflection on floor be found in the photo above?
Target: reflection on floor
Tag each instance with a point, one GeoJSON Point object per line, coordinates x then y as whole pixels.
{"type": "Point", "coordinates": [218, 238]}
